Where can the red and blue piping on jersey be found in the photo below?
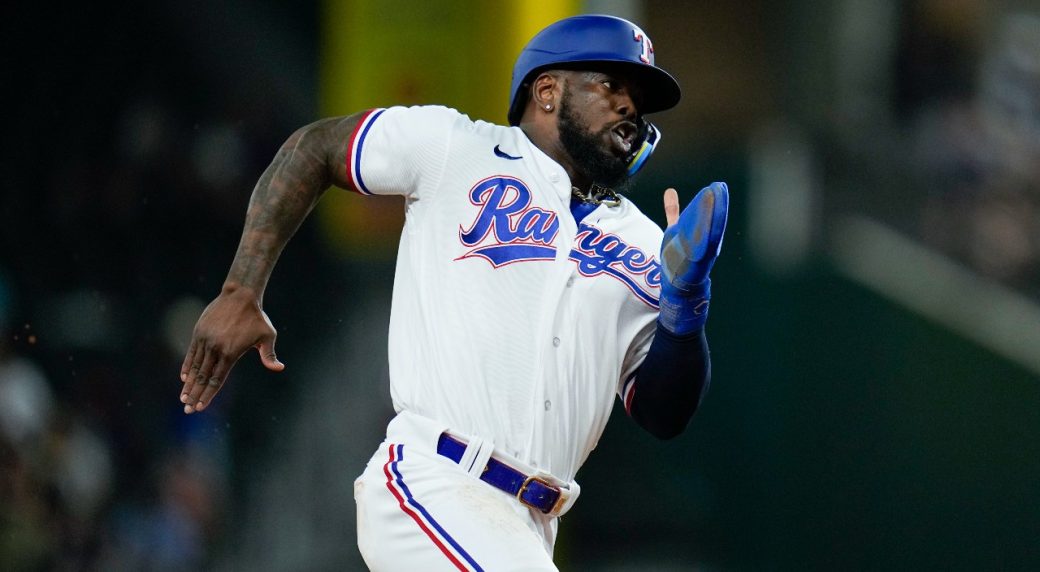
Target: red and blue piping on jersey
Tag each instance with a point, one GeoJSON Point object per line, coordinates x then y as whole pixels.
{"type": "Point", "coordinates": [357, 141]}
{"type": "Point", "coordinates": [447, 545]}
{"type": "Point", "coordinates": [628, 391]}
{"type": "Point", "coordinates": [596, 252]}
{"type": "Point", "coordinates": [507, 228]}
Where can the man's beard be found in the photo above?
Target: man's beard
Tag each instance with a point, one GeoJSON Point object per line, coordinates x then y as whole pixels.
{"type": "Point", "coordinates": [586, 148]}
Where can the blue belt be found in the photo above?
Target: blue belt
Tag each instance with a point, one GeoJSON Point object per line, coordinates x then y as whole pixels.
{"type": "Point", "coordinates": [532, 491]}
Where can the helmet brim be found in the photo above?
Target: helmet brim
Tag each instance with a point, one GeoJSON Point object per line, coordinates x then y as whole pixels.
{"type": "Point", "coordinates": [660, 91]}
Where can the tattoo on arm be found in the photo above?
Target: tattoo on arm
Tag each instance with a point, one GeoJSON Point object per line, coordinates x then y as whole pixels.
{"type": "Point", "coordinates": [307, 163]}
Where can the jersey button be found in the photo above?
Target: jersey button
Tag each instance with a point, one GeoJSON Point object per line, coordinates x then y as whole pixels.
{"type": "Point", "coordinates": [570, 282]}
{"type": "Point", "coordinates": [548, 405]}
{"type": "Point", "coordinates": [556, 342]}
{"type": "Point", "coordinates": [554, 177]}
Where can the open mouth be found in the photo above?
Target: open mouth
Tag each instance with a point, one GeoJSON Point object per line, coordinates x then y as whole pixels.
{"type": "Point", "coordinates": [624, 135]}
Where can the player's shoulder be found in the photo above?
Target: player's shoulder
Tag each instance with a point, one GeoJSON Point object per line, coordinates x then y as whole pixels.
{"type": "Point", "coordinates": [442, 116]}
{"type": "Point", "coordinates": [422, 116]}
{"type": "Point", "coordinates": [640, 227]}
{"type": "Point", "coordinates": [638, 218]}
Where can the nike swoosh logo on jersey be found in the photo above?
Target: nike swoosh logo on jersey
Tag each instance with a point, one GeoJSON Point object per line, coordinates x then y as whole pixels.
{"type": "Point", "coordinates": [505, 155]}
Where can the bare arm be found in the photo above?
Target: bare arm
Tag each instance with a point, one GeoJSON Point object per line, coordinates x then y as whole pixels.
{"type": "Point", "coordinates": [311, 160]}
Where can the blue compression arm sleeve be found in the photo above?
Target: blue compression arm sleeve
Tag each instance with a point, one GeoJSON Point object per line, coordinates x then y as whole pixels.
{"type": "Point", "coordinates": [671, 382]}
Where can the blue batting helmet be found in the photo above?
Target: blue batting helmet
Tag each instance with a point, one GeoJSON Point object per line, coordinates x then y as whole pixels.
{"type": "Point", "coordinates": [593, 39]}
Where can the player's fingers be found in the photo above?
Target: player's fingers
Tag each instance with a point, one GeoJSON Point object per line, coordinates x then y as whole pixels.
{"type": "Point", "coordinates": [189, 359]}
{"type": "Point", "coordinates": [197, 354]}
{"type": "Point", "coordinates": [214, 382]}
{"type": "Point", "coordinates": [186, 390]}
{"type": "Point", "coordinates": [205, 370]}
{"type": "Point", "coordinates": [267, 354]}
{"type": "Point", "coordinates": [671, 206]}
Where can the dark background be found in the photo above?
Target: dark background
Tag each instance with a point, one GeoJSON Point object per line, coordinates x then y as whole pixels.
{"type": "Point", "coordinates": [872, 407]}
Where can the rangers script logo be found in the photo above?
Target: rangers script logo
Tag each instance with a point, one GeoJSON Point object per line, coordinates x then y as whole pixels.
{"type": "Point", "coordinates": [596, 252]}
{"type": "Point", "coordinates": [517, 230]}
{"type": "Point", "coordinates": [508, 229]}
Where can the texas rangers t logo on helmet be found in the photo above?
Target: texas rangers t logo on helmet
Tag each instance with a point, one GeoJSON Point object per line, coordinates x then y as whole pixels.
{"type": "Point", "coordinates": [647, 55]}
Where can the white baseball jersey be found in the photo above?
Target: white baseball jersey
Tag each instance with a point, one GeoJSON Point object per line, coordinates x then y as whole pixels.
{"type": "Point", "coordinates": [510, 321]}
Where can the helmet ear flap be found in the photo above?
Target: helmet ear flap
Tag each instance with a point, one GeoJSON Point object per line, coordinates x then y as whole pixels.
{"type": "Point", "coordinates": [647, 139]}
{"type": "Point", "coordinates": [516, 107]}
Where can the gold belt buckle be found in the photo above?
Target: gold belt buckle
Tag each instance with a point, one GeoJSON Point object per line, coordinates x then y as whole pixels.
{"type": "Point", "coordinates": [547, 484]}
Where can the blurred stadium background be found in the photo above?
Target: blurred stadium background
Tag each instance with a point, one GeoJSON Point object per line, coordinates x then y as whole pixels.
{"type": "Point", "coordinates": [876, 326]}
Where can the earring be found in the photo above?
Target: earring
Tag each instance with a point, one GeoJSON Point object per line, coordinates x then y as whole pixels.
{"type": "Point", "coordinates": [548, 107]}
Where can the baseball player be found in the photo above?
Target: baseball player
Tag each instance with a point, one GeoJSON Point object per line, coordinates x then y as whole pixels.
{"type": "Point", "coordinates": [529, 292]}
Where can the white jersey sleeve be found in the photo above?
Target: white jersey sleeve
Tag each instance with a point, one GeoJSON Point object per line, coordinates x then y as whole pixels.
{"type": "Point", "coordinates": [639, 320]}
{"type": "Point", "coordinates": [400, 150]}
{"type": "Point", "coordinates": [635, 356]}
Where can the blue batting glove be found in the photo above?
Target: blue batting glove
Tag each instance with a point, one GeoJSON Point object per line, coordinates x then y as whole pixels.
{"type": "Point", "coordinates": [688, 251]}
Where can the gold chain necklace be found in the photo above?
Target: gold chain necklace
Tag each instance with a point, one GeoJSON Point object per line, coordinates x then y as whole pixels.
{"type": "Point", "coordinates": [597, 194]}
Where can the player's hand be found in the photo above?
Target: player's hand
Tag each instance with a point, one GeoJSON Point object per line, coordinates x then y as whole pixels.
{"type": "Point", "coordinates": [693, 239]}
{"type": "Point", "coordinates": [228, 327]}
{"type": "Point", "coordinates": [690, 246]}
